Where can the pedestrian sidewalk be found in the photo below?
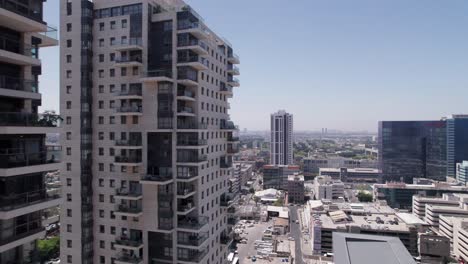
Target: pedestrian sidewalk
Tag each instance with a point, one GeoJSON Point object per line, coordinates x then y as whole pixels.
{"type": "Point", "coordinates": [306, 247]}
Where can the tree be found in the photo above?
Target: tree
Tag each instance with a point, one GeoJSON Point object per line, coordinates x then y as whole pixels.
{"type": "Point", "coordinates": [364, 196]}
{"type": "Point", "coordinates": [48, 248]}
{"type": "Point", "coordinates": [256, 200]}
{"type": "Point", "coordinates": [251, 190]}
{"type": "Point", "coordinates": [50, 118]}
{"type": "Point", "coordinates": [279, 202]}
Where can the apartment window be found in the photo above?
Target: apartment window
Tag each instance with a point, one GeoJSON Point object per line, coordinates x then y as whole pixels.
{"type": "Point", "coordinates": [124, 23]}
{"type": "Point", "coordinates": [101, 120]}
{"type": "Point", "coordinates": [68, 120]}
{"type": "Point", "coordinates": [135, 121]}
{"type": "Point", "coordinates": [101, 26]}
{"type": "Point", "coordinates": [101, 57]}
{"type": "Point", "coordinates": [112, 72]}
{"type": "Point", "coordinates": [69, 212]}
{"type": "Point", "coordinates": [68, 89]}
{"type": "Point", "coordinates": [69, 73]}
{"type": "Point", "coordinates": [101, 182]}
{"type": "Point", "coordinates": [69, 197]}
{"type": "Point", "coordinates": [101, 73]}
{"type": "Point", "coordinates": [112, 41]}
{"type": "Point", "coordinates": [111, 152]}
{"type": "Point", "coordinates": [102, 229]}
{"type": "Point", "coordinates": [123, 40]}
{"type": "Point", "coordinates": [135, 70]}
{"type": "Point", "coordinates": [112, 24]}
{"type": "Point", "coordinates": [101, 89]}
{"type": "Point", "coordinates": [111, 135]}
{"type": "Point", "coordinates": [112, 120]}
{"type": "Point", "coordinates": [111, 167]}
{"type": "Point", "coordinates": [112, 183]}
{"type": "Point", "coordinates": [101, 198]}
{"type": "Point", "coordinates": [69, 58]}
{"type": "Point", "coordinates": [69, 182]}
{"type": "Point", "coordinates": [68, 151]}
{"type": "Point", "coordinates": [69, 257]}
{"type": "Point", "coordinates": [101, 213]}
{"type": "Point", "coordinates": [123, 71]}
{"type": "Point", "coordinates": [101, 43]}
{"type": "Point", "coordinates": [112, 57]}
{"type": "Point", "coordinates": [123, 120]}
{"type": "Point", "coordinates": [111, 88]}
{"type": "Point", "coordinates": [111, 104]}
{"type": "Point", "coordinates": [102, 244]}
{"type": "Point", "coordinates": [68, 135]}
{"type": "Point", "coordinates": [69, 104]}
{"type": "Point", "coordinates": [69, 43]}
{"type": "Point", "coordinates": [69, 27]}
{"type": "Point", "coordinates": [101, 166]}
{"type": "Point", "coordinates": [101, 135]}
{"type": "Point", "coordinates": [101, 151]}
{"type": "Point", "coordinates": [69, 228]}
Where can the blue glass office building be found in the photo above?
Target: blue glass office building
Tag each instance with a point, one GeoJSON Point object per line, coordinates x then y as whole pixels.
{"type": "Point", "coordinates": [457, 142]}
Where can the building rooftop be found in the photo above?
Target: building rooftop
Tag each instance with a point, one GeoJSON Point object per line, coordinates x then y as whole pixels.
{"type": "Point", "coordinates": [389, 222]}
{"type": "Point", "coordinates": [367, 249]}
{"type": "Point", "coordinates": [437, 186]}
{"type": "Point", "coordinates": [281, 222]}
{"type": "Point", "coordinates": [368, 170]}
{"type": "Point", "coordinates": [283, 212]}
{"type": "Point", "coordinates": [296, 177]}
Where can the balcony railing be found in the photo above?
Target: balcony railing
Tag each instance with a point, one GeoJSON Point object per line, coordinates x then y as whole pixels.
{"type": "Point", "coordinates": [129, 109]}
{"type": "Point", "coordinates": [227, 89]}
{"type": "Point", "coordinates": [29, 119]}
{"type": "Point", "coordinates": [131, 42]}
{"type": "Point", "coordinates": [233, 139]}
{"type": "Point", "coordinates": [51, 32]}
{"type": "Point", "coordinates": [128, 59]}
{"type": "Point", "coordinates": [15, 46]}
{"type": "Point", "coordinates": [228, 125]}
{"type": "Point", "coordinates": [192, 172]}
{"type": "Point", "coordinates": [21, 231]}
{"type": "Point", "coordinates": [192, 158]}
{"type": "Point", "coordinates": [127, 159]}
{"type": "Point", "coordinates": [14, 158]}
{"type": "Point", "coordinates": [184, 24]}
{"type": "Point", "coordinates": [226, 238]}
{"type": "Point", "coordinates": [34, 12]}
{"type": "Point", "coordinates": [192, 255]}
{"type": "Point", "coordinates": [232, 150]}
{"type": "Point", "coordinates": [194, 223]}
{"type": "Point", "coordinates": [191, 125]}
{"type": "Point", "coordinates": [127, 192]}
{"type": "Point", "coordinates": [185, 190]}
{"type": "Point", "coordinates": [233, 56]}
{"type": "Point", "coordinates": [15, 201]}
{"type": "Point", "coordinates": [128, 143]}
{"type": "Point", "coordinates": [19, 84]}
{"type": "Point", "coordinates": [188, 59]}
{"type": "Point", "coordinates": [158, 73]}
{"type": "Point", "coordinates": [130, 242]}
{"type": "Point", "coordinates": [160, 177]}
{"type": "Point", "coordinates": [186, 93]}
{"type": "Point", "coordinates": [127, 258]}
{"type": "Point", "coordinates": [225, 164]}
{"type": "Point", "coordinates": [185, 110]}
{"type": "Point", "coordinates": [193, 239]}
{"type": "Point", "coordinates": [232, 68]}
{"type": "Point", "coordinates": [127, 209]}
{"type": "Point", "coordinates": [191, 142]}
{"type": "Point", "coordinates": [191, 42]}
{"type": "Point", "coordinates": [185, 207]}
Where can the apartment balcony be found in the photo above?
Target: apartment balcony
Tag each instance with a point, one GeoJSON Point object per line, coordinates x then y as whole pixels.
{"type": "Point", "coordinates": [17, 161]}
{"type": "Point", "coordinates": [226, 238]}
{"type": "Point", "coordinates": [231, 150]}
{"type": "Point", "coordinates": [21, 234]}
{"type": "Point", "coordinates": [20, 18]}
{"type": "Point", "coordinates": [19, 88]}
{"type": "Point", "coordinates": [191, 159]}
{"type": "Point", "coordinates": [226, 200]}
{"type": "Point", "coordinates": [186, 95]}
{"type": "Point", "coordinates": [185, 111]}
{"type": "Point", "coordinates": [232, 220]}
{"type": "Point", "coordinates": [14, 52]}
{"type": "Point", "coordinates": [49, 37]}
{"type": "Point", "coordinates": [128, 160]}
{"type": "Point", "coordinates": [189, 143]}
{"type": "Point", "coordinates": [130, 45]}
{"type": "Point", "coordinates": [185, 206]}
{"type": "Point", "coordinates": [129, 111]}
{"type": "Point", "coordinates": [126, 194]}
{"type": "Point", "coordinates": [192, 240]}
{"type": "Point", "coordinates": [125, 258]}
{"type": "Point", "coordinates": [129, 94]}
{"type": "Point", "coordinates": [197, 29]}
{"type": "Point", "coordinates": [225, 164]}
{"type": "Point", "coordinates": [233, 82]}
{"type": "Point", "coordinates": [28, 123]}
{"type": "Point", "coordinates": [194, 45]}
{"type": "Point", "coordinates": [192, 223]}
{"type": "Point", "coordinates": [233, 58]}
{"type": "Point", "coordinates": [161, 178]}
{"type": "Point", "coordinates": [226, 90]}
{"type": "Point", "coordinates": [128, 243]}
{"type": "Point", "coordinates": [187, 76]}
{"type": "Point", "coordinates": [184, 191]}
{"type": "Point", "coordinates": [228, 125]}
{"type": "Point", "coordinates": [128, 144]}
{"type": "Point", "coordinates": [155, 76]}
{"type": "Point", "coordinates": [191, 125]}
{"type": "Point", "coordinates": [125, 210]}
{"type": "Point", "coordinates": [132, 61]}
{"type": "Point", "coordinates": [196, 62]}
{"type": "Point", "coordinates": [187, 174]}
{"type": "Point", "coordinates": [234, 70]}
{"type": "Point", "coordinates": [232, 139]}
{"type": "Point", "coordinates": [192, 255]}
{"type": "Point", "coordinates": [14, 205]}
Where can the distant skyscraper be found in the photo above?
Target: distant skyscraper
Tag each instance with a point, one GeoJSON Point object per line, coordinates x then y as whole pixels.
{"type": "Point", "coordinates": [281, 150]}
{"type": "Point", "coordinates": [412, 149]}
{"type": "Point", "coordinates": [457, 142]}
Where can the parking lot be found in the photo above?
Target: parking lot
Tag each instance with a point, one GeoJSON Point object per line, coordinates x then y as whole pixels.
{"type": "Point", "coordinates": [251, 234]}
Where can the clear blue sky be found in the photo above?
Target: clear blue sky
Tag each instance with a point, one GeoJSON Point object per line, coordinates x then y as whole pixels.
{"type": "Point", "coordinates": [338, 64]}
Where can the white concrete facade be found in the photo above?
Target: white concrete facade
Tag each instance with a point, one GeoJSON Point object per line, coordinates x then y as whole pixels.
{"type": "Point", "coordinates": [281, 146]}
{"type": "Point", "coordinates": [160, 139]}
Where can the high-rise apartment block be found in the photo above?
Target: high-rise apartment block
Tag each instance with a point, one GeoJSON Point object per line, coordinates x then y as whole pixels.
{"type": "Point", "coordinates": [24, 157]}
{"type": "Point", "coordinates": [144, 93]}
{"type": "Point", "coordinates": [412, 149]}
{"type": "Point", "coordinates": [281, 146]}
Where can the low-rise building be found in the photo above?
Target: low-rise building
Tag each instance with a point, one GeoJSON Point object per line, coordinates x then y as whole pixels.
{"type": "Point", "coordinates": [420, 202]}
{"type": "Point", "coordinates": [400, 195]}
{"type": "Point", "coordinates": [356, 175]}
{"type": "Point", "coordinates": [276, 176]}
{"type": "Point", "coordinates": [312, 166]}
{"type": "Point", "coordinates": [433, 213]}
{"type": "Point", "coordinates": [455, 229]}
{"type": "Point", "coordinates": [433, 248]}
{"type": "Point", "coordinates": [327, 188]}
{"type": "Point", "coordinates": [296, 190]}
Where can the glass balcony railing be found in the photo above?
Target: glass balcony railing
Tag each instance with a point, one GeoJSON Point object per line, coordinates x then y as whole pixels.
{"type": "Point", "coordinates": [122, 208]}
{"type": "Point", "coordinates": [185, 110]}
{"type": "Point", "coordinates": [233, 56]}
{"type": "Point", "coordinates": [194, 223]}
{"type": "Point", "coordinates": [184, 24]}
{"type": "Point", "coordinates": [14, 158]}
{"type": "Point", "coordinates": [188, 59]}
{"type": "Point", "coordinates": [34, 12]}
{"type": "Point", "coordinates": [128, 143]}
{"type": "Point", "coordinates": [131, 42]}
{"type": "Point", "coordinates": [192, 158]}
{"type": "Point", "coordinates": [18, 84]}
{"type": "Point", "coordinates": [233, 139]}
{"type": "Point", "coordinates": [158, 73]}
{"type": "Point", "coordinates": [51, 32]}
{"type": "Point", "coordinates": [191, 42]}
{"type": "Point", "coordinates": [187, 173]}
{"type": "Point", "coordinates": [192, 239]}
{"type": "Point", "coordinates": [192, 142]}
{"type": "Point", "coordinates": [14, 201]}
{"type": "Point", "coordinates": [19, 231]}
{"type": "Point", "coordinates": [29, 119]}
{"type": "Point", "coordinates": [183, 124]}
{"type": "Point", "coordinates": [227, 89]}
{"type": "Point", "coordinates": [161, 176]}
{"type": "Point", "coordinates": [186, 93]}
{"type": "Point", "coordinates": [129, 109]}
{"type": "Point", "coordinates": [127, 192]}
{"type": "Point", "coordinates": [129, 242]}
{"type": "Point", "coordinates": [128, 59]}
{"type": "Point", "coordinates": [228, 125]}
{"type": "Point", "coordinates": [128, 159]}
{"type": "Point", "coordinates": [127, 258]}
{"type": "Point", "coordinates": [186, 189]}
{"type": "Point", "coordinates": [132, 92]}
{"type": "Point", "coordinates": [192, 255]}
{"type": "Point", "coordinates": [17, 47]}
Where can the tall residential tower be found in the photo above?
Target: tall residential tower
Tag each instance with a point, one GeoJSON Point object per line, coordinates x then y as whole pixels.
{"type": "Point", "coordinates": [144, 95]}
{"type": "Point", "coordinates": [24, 157]}
{"type": "Point", "coordinates": [281, 146]}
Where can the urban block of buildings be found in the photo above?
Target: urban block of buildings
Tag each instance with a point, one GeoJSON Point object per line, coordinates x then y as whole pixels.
{"type": "Point", "coordinates": [357, 175]}
{"type": "Point", "coordinates": [25, 196]}
{"type": "Point", "coordinates": [325, 187]}
{"type": "Point", "coordinates": [144, 93]}
{"type": "Point", "coordinates": [276, 176]}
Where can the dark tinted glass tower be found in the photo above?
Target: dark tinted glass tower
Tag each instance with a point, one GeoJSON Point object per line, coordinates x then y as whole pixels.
{"type": "Point", "coordinates": [412, 149]}
{"type": "Point", "coordinates": [457, 142]}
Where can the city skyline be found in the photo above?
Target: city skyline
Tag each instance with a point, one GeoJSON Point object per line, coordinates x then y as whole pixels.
{"type": "Point", "coordinates": [378, 51]}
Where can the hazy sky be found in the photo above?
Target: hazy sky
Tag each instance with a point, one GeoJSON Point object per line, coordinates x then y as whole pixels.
{"type": "Point", "coordinates": [338, 64]}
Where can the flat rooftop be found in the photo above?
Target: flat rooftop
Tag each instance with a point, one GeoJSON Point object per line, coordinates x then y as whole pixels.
{"type": "Point", "coordinates": [354, 170]}
{"type": "Point", "coordinates": [366, 222]}
{"type": "Point", "coordinates": [439, 186]}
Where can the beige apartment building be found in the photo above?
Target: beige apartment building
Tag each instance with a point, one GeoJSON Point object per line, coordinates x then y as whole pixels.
{"type": "Point", "coordinates": [24, 157]}
{"type": "Point", "coordinates": [149, 144]}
